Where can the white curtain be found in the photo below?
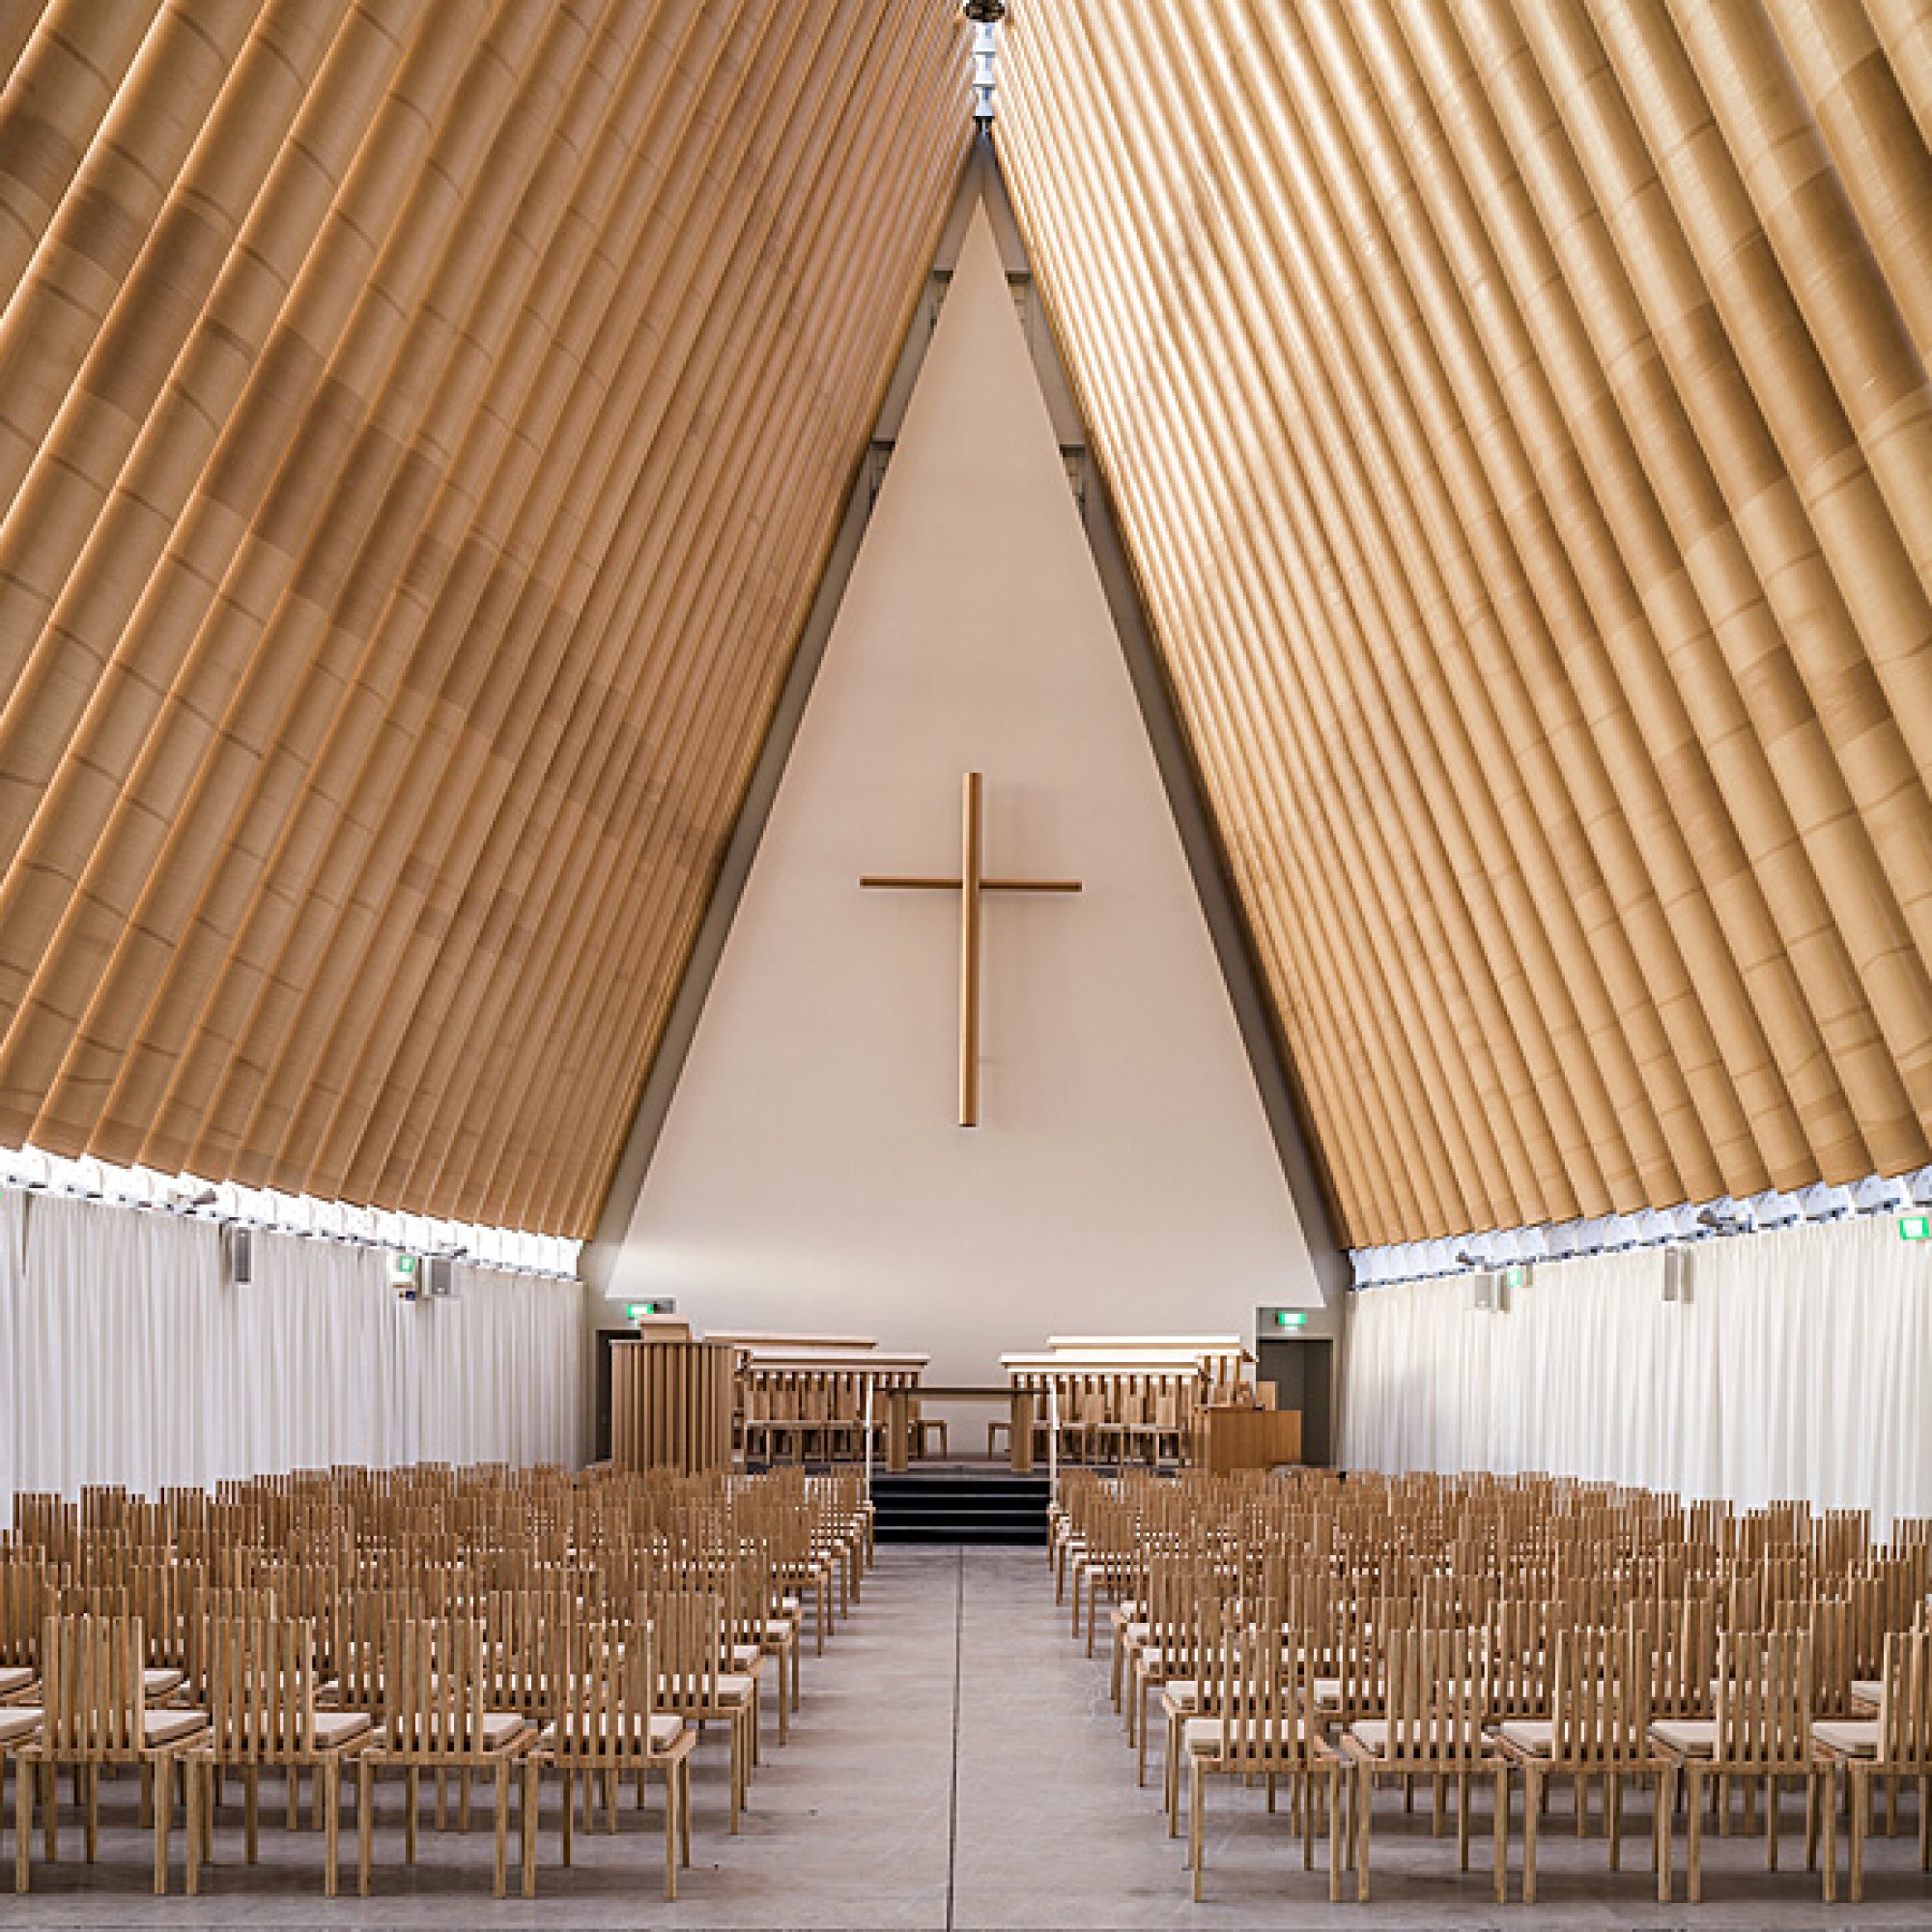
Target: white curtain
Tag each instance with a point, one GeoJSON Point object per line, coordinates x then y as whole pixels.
{"type": "Point", "coordinates": [126, 1357]}
{"type": "Point", "coordinates": [1800, 1367]}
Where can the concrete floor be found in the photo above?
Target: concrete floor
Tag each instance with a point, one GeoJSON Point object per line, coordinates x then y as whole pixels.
{"type": "Point", "coordinates": [957, 1764]}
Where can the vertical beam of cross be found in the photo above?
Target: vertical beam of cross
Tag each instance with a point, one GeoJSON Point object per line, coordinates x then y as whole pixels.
{"type": "Point", "coordinates": [970, 885]}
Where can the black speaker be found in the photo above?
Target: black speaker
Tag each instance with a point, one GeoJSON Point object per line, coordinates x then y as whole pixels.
{"type": "Point", "coordinates": [241, 1256]}
{"type": "Point", "coordinates": [439, 1280]}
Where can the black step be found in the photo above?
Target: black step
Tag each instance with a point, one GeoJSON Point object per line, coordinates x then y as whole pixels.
{"type": "Point", "coordinates": [961, 1508]}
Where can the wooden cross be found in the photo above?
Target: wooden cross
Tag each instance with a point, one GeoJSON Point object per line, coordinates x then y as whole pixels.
{"type": "Point", "coordinates": [970, 884]}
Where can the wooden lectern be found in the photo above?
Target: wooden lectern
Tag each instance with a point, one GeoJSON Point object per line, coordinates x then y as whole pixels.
{"type": "Point", "coordinates": [671, 1405]}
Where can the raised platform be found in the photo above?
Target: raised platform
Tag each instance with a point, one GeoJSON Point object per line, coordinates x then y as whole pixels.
{"type": "Point", "coordinates": [953, 1504]}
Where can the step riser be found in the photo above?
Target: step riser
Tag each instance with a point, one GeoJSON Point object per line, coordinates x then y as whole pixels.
{"type": "Point", "coordinates": [1006, 1512]}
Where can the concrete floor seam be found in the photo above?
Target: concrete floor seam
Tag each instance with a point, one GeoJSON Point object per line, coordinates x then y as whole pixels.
{"type": "Point", "coordinates": [959, 1666]}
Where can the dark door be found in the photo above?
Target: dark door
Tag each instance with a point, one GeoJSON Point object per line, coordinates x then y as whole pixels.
{"type": "Point", "coordinates": [1303, 1371]}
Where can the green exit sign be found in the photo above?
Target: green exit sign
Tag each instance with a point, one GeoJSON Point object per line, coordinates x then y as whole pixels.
{"type": "Point", "coordinates": [1517, 1275]}
{"type": "Point", "coordinates": [1291, 1318]}
{"type": "Point", "coordinates": [637, 1311]}
{"type": "Point", "coordinates": [1915, 1228]}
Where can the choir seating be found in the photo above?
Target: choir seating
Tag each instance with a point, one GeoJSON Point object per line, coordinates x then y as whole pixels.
{"type": "Point", "coordinates": [444, 1624]}
{"type": "Point", "coordinates": [803, 1399]}
{"type": "Point", "coordinates": [1127, 1399]}
{"type": "Point", "coordinates": [1469, 1636]}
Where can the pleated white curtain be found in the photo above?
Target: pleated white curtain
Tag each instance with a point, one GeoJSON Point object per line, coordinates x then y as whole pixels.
{"type": "Point", "coordinates": [125, 1356]}
{"type": "Point", "coordinates": [1800, 1367]}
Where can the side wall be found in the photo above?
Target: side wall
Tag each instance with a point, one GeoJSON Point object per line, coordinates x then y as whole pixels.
{"type": "Point", "coordinates": [1800, 1367]}
{"type": "Point", "coordinates": [126, 1357]}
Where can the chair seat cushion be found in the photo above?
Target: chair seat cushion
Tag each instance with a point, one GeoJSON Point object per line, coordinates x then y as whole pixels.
{"type": "Point", "coordinates": [170, 1727]}
{"type": "Point", "coordinates": [501, 1728]}
{"type": "Point", "coordinates": [18, 1722]}
{"type": "Point", "coordinates": [14, 1678]}
{"type": "Point", "coordinates": [780, 1630]}
{"type": "Point", "coordinates": [1373, 1735]}
{"type": "Point", "coordinates": [335, 1728]}
{"type": "Point", "coordinates": [1201, 1737]}
{"type": "Point", "coordinates": [1689, 1736]}
{"type": "Point", "coordinates": [1848, 1737]}
{"type": "Point", "coordinates": [1537, 1736]}
{"type": "Point", "coordinates": [161, 1681]}
{"type": "Point", "coordinates": [1867, 1691]}
{"type": "Point", "coordinates": [1181, 1694]}
{"type": "Point", "coordinates": [666, 1728]}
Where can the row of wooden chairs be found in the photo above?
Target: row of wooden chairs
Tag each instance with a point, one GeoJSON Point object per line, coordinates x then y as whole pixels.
{"type": "Point", "coordinates": [1336, 1635]}
{"type": "Point", "coordinates": [489, 1623]}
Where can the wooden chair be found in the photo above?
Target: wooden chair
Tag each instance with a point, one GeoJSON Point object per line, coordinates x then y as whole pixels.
{"type": "Point", "coordinates": [1258, 1725]}
{"type": "Point", "coordinates": [1762, 1729]}
{"type": "Point", "coordinates": [687, 1628]}
{"type": "Point", "coordinates": [95, 1713]}
{"type": "Point", "coordinates": [260, 1688]}
{"type": "Point", "coordinates": [1599, 1726]}
{"type": "Point", "coordinates": [1437, 1693]}
{"type": "Point", "coordinates": [603, 1729]}
{"type": "Point", "coordinates": [433, 1718]}
{"type": "Point", "coordinates": [1895, 1743]}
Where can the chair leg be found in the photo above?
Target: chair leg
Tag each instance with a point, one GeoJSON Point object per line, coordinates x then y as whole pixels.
{"type": "Point", "coordinates": [1661, 1828]}
{"type": "Point", "coordinates": [1532, 1785]}
{"type": "Point", "coordinates": [569, 1814]}
{"type": "Point", "coordinates": [1197, 1836]}
{"type": "Point", "coordinates": [1365, 1792]}
{"type": "Point", "coordinates": [670, 1821]}
{"type": "Point", "coordinates": [1613, 1818]}
{"type": "Point", "coordinates": [192, 1775]}
{"type": "Point", "coordinates": [164, 1817]}
{"type": "Point", "coordinates": [328, 1788]}
{"type": "Point", "coordinates": [1695, 1848]}
{"type": "Point", "coordinates": [1462, 1820]}
{"type": "Point", "coordinates": [1770, 1798]}
{"type": "Point", "coordinates": [1502, 1826]}
{"type": "Point", "coordinates": [365, 1821]}
{"type": "Point", "coordinates": [1831, 1886]}
{"type": "Point", "coordinates": [1334, 1834]}
{"type": "Point", "coordinates": [24, 1822]}
{"type": "Point", "coordinates": [251, 1812]}
{"type": "Point", "coordinates": [500, 1874]}
{"type": "Point", "coordinates": [532, 1786]}
{"type": "Point", "coordinates": [87, 1796]}
{"type": "Point", "coordinates": [1860, 1824]}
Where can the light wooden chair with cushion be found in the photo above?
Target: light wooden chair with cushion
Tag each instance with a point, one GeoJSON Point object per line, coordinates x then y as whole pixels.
{"type": "Point", "coordinates": [93, 1676]}
{"type": "Point", "coordinates": [687, 1632]}
{"type": "Point", "coordinates": [435, 1718]}
{"type": "Point", "coordinates": [1435, 1700]}
{"type": "Point", "coordinates": [1762, 1729]}
{"type": "Point", "coordinates": [1257, 1724]}
{"type": "Point", "coordinates": [261, 1688]}
{"type": "Point", "coordinates": [1895, 1743]}
{"type": "Point", "coordinates": [605, 1728]}
{"type": "Point", "coordinates": [1598, 1726]}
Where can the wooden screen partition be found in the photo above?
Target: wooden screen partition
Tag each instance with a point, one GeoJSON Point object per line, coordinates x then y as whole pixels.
{"type": "Point", "coordinates": [671, 1405]}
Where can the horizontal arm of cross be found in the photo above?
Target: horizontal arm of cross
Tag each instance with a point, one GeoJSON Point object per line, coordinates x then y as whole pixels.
{"type": "Point", "coordinates": [928, 885]}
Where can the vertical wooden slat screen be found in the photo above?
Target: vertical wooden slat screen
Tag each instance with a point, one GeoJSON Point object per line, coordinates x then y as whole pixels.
{"type": "Point", "coordinates": [671, 1405]}
{"type": "Point", "coordinates": [1519, 414]}
{"type": "Point", "coordinates": [422, 424]}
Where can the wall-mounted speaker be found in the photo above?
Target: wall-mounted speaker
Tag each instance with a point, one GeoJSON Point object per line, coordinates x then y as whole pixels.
{"type": "Point", "coordinates": [241, 1256]}
{"type": "Point", "coordinates": [1677, 1274]}
{"type": "Point", "coordinates": [1484, 1292]}
{"type": "Point", "coordinates": [440, 1278]}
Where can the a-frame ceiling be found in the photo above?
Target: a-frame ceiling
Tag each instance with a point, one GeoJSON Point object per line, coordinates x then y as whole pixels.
{"type": "Point", "coordinates": [422, 424]}
{"type": "Point", "coordinates": [1518, 416]}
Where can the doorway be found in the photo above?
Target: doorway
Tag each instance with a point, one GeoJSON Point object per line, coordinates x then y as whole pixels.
{"type": "Point", "coordinates": [1303, 1373]}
